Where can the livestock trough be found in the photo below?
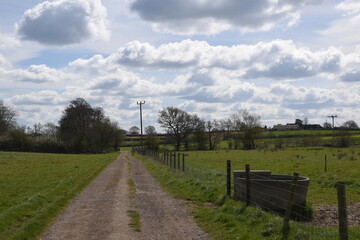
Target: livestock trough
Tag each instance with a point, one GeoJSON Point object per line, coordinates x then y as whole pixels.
{"type": "Point", "coordinates": [270, 191]}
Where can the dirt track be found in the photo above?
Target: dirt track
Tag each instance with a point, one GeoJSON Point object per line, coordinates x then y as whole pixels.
{"type": "Point", "coordinates": [100, 211]}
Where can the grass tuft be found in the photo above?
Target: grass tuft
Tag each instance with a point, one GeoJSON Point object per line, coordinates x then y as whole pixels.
{"type": "Point", "coordinates": [134, 220]}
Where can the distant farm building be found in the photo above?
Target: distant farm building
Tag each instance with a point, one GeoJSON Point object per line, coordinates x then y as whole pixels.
{"type": "Point", "coordinates": [298, 125]}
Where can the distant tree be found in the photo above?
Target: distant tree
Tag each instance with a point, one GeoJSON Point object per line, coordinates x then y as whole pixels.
{"type": "Point", "coordinates": [199, 137]}
{"type": "Point", "coordinates": [350, 125]}
{"type": "Point", "coordinates": [150, 130]}
{"type": "Point", "coordinates": [343, 139]}
{"type": "Point", "coordinates": [151, 140]}
{"type": "Point", "coordinates": [235, 140]}
{"type": "Point", "coordinates": [251, 128]}
{"type": "Point", "coordinates": [37, 129]}
{"type": "Point", "coordinates": [178, 123]}
{"type": "Point", "coordinates": [50, 129]}
{"type": "Point", "coordinates": [7, 117]}
{"type": "Point", "coordinates": [86, 129]}
{"type": "Point", "coordinates": [134, 130]}
{"type": "Point", "coordinates": [213, 135]}
{"type": "Point", "coordinates": [327, 125]}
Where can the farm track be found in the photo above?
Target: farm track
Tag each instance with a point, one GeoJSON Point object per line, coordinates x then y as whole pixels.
{"type": "Point", "coordinates": [101, 210]}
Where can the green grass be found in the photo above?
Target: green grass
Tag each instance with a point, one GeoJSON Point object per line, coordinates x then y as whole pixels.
{"type": "Point", "coordinates": [342, 165]}
{"type": "Point", "coordinates": [35, 187]}
{"type": "Point", "coordinates": [224, 218]}
{"type": "Point", "coordinates": [134, 220]}
{"type": "Point", "coordinates": [132, 189]}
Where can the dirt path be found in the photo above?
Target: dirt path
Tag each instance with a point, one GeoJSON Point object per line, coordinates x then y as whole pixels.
{"type": "Point", "coordinates": [101, 210]}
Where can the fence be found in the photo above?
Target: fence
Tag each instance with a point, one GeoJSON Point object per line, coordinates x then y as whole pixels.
{"type": "Point", "coordinates": [171, 159]}
{"type": "Point", "coordinates": [251, 195]}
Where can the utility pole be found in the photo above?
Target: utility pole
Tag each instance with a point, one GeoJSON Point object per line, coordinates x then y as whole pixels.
{"type": "Point", "coordinates": [333, 126]}
{"type": "Point", "coordinates": [141, 128]}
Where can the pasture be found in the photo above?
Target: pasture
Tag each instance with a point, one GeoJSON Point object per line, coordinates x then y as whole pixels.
{"type": "Point", "coordinates": [342, 165]}
{"type": "Point", "coordinates": [35, 187]}
{"type": "Point", "coordinates": [204, 184]}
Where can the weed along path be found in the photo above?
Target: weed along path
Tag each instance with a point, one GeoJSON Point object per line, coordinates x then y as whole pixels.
{"type": "Point", "coordinates": [124, 202]}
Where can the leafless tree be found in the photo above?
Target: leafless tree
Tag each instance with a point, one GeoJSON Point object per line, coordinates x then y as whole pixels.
{"type": "Point", "coordinates": [178, 123]}
{"type": "Point", "coordinates": [151, 140]}
{"type": "Point", "coordinates": [251, 128]}
{"type": "Point", "coordinates": [327, 125]}
{"type": "Point", "coordinates": [134, 130]}
{"type": "Point", "coordinates": [7, 117]}
{"type": "Point", "coordinates": [351, 124]}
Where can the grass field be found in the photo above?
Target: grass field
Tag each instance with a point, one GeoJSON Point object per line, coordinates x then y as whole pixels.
{"type": "Point", "coordinates": [342, 165]}
{"type": "Point", "coordinates": [35, 187]}
{"type": "Point", "coordinates": [224, 218]}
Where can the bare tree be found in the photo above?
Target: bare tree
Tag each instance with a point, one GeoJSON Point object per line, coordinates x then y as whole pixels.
{"type": "Point", "coordinates": [351, 124]}
{"type": "Point", "coordinates": [213, 136]}
{"type": "Point", "coordinates": [327, 125]}
{"type": "Point", "coordinates": [247, 126]}
{"type": "Point", "coordinates": [7, 117]}
{"type": "Point", "coordinates": [151, 140]}
{"type": "Point", "coordinates": [37, 129]}
{"type": "Point", "coordinates": [50, 129]}
{"type": "Point", "coordinates": [134, 130]}
{"type": "Point", "coordinates": [251, 128]}
{"type": "Point", "coordinates": [150, 130]}
{"type": "Point", "coordinates": [178, 123]}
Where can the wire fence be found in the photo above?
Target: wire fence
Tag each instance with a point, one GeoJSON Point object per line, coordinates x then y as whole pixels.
{"type": "Point", "coordinates": [283, 195]}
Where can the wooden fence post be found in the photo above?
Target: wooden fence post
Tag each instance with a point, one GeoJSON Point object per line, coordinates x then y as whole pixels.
{"type": "Point", "coordinates": [248, 189]}
{"type": "Point", "coordinates": [174, 160]}
{"type": "Point", "coordinates": [183, 162]}
{"type": "Point", "coordinates": [343, 225]}
{"type": "Point", "coordinates": [325, 163]}
{"type": "Point", "coordinates": [179, 157]}
{"type": "Point", "coordinates": [228, 177]}
{"type": "Point", "coordinates": [286, 225]}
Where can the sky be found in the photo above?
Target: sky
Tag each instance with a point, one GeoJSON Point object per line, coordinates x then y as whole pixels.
{"type": "Point", "coordinates": [279, 59]}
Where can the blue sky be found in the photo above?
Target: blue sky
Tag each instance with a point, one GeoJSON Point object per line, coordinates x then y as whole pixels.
{"type": "Point", "coordinates": [280, 59]}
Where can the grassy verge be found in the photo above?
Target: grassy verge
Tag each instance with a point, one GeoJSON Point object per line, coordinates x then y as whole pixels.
{"type": "Point", "coordinates": [222, 217]}
{"type": "Point", "coordinates": [35, 187]}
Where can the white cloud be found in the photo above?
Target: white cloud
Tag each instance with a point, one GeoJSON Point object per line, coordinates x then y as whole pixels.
{"type": "Point", "coordinates": [4, 63]}
{"type": "Point", "coordinates": [7, 41]}
{"type": "Point", "coordinates": [64, 22]}
{"type": "Point", "coordinates": [37, 74]}
{"type": "Point", "coordinates": [345, 30]}
{"type": "Point", "coordinates": [189, 17]}
{"type": "Point", "coordinates": [198, 76]}
{"type": "Point", "coordinates": [278, 59]}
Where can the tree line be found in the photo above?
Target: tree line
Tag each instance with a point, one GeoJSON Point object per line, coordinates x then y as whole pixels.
{"type": "Point", "coordinates": [191, 132]}
{"type": "Point", "coordinates": [242, 130]}
{"type": "Point", "coordinates": [81, 129]}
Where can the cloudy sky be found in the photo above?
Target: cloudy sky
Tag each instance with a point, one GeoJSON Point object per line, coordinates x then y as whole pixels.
{"type": "Point", "coordinates": [280, 59]}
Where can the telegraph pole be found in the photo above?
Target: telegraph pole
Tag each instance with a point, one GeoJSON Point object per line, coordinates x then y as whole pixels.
{"type": "Point", "coordinates": [333, 126]}
{"type": "Point", "coordinates": [141, 128]}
